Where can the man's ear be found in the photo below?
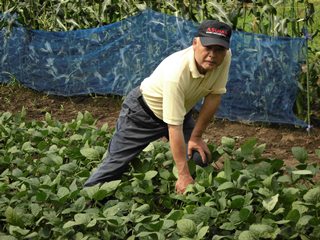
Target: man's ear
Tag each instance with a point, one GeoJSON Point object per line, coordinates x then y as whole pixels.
{"type": "Point", "coordinates": [194, 42]}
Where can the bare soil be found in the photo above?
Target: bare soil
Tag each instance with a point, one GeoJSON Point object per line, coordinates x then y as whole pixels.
{"type": "Point", "coordinates": [278, 138]}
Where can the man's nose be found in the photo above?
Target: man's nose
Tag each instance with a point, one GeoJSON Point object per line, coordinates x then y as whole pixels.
{"type": "Point", "coordinates": [212, 52]}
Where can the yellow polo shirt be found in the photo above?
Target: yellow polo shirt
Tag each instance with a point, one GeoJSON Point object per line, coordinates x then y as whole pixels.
{"type": "Point", "coordinates": [176, 85]}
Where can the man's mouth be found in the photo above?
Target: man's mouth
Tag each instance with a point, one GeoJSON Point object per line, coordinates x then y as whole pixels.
{"type": "Point", "coordinates": [211, 62]}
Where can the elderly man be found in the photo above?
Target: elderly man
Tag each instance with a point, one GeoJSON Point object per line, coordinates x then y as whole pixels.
{"type": "Point", "coordinates": [162, 104]}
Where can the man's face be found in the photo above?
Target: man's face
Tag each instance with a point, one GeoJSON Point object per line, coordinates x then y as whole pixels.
{"type": "Point", "coordinates": [207, 58]}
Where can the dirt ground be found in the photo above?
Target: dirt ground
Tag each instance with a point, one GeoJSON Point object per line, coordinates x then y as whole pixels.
{"type": "Point", "coordinates": [278, 138]}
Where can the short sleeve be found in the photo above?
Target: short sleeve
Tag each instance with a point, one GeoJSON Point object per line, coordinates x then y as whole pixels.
{"type": "Point", "coordinates": [173, 103]}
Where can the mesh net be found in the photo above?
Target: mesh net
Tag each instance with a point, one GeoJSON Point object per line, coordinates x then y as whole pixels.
{"type": "Point", "coordinates": [115, 58]}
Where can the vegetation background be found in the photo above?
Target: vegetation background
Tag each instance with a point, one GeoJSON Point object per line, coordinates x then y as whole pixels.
{"type": "Point", "coordinates": [251, 193]}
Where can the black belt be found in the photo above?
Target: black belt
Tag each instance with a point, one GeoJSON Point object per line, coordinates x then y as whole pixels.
{"type": "Point", "coordinates": [148, 110]}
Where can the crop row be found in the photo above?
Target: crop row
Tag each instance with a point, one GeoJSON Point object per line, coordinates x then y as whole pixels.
{"type": "Point", "coordinates": [43, 165]}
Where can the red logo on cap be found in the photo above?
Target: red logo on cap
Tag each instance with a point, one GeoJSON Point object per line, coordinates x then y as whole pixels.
{"type": "Point", "coordinates": [217, 31]}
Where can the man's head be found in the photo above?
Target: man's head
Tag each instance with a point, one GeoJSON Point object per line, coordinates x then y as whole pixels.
{"type": "Point", "coordinates": [211, 44]}
{"type": "Point", "coordinates": [213, 32]}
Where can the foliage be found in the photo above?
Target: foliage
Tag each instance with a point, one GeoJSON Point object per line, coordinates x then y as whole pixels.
{"type": "Point", "coordinates": [44, 164]}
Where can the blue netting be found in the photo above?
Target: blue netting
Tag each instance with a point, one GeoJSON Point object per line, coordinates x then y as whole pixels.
{"type": "Point", "coordinates": [115, 58]}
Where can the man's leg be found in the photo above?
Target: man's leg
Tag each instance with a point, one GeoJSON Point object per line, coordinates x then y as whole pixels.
{"type": "Point", "coordinates": [188, 125]}
{"type": "Point", "coordinates": [134, 131]}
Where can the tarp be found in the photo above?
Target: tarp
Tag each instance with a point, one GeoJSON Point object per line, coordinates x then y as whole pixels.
{"type": "Point", "coordinates": [113, 59]}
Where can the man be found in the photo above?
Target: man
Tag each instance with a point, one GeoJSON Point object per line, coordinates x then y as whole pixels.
{"type": "Point", "coordinates": [162, 104]}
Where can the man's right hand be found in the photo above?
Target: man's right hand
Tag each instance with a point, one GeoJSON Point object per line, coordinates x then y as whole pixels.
{"type": "Point", "coordinates": [182, 184]}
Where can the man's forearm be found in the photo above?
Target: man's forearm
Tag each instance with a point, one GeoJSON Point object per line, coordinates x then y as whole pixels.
{"type": "Point", "coordinates": [208, 109]}
{"type": "Point", "coordinates": [178, 149]}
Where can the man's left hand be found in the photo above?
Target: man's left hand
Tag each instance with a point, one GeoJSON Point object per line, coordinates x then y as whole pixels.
{"type": "Point", "coordinates": [197, 143]}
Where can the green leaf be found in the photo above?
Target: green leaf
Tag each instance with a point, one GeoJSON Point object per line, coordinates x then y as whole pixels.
{"type": "Point", "coordinates": [237, 202]}
{"type": "Point", "coordinates": [244, 214]}
{"type": "Point", "coordinates": [88, 118]}
{"type": "Point", "coordinates": [175, 171]}
{"type": "Point", "coordinates": [82, 218]}
{"type": "Point", "coordinates": [269, 180]}
{"type": "Point", "coordinates": [225, 186]}
{"type": "Point", "coordinates": [165, 174]}
{"type": "Point", "coordinates": [41, 196]}
{"type": "Point", "coordinates": [186, 227]}
{"type": "Point", "coordinates": [302, 172]}
{"type": "Point", "coordinates": [13, 230]}
{"type": "Point", "coordinates": [313, 195]}
{"type": "Point", "coordinates": [300, 206]}
{"type": "Point", "coordinates": [270, 203]}
{"type": "Point", "coordinates": [35, 209]}
{"type": "Point", "coordinates": [203, 214]}
{"type": "Point", "coordinates": [174, 215]}
{"type": "Point", "coordinates": [143, 209]}
{"type": "Point", "coordinates": [69, 224]}
{"type": "Point", "coordinates": [202, 232]}
{"type": "Point", "coordinates": [155, 226]}
{"type": "Point", "coordinates": [79, 219]}
{"type": "Point", "coordinates": [54, 158]}
{"type": "Point", "coordinates": [27, 147]}
{"type": "Point", "coordinates": [17, 172]}
{"type": "Point", "coordinates": [110, 186]}
{"type": "Point", "coordinates": [149, 148]}
{"type": "Point", "coordinates": [150, 174]}
{"type": "Point", "coordinates": [304, 221]}
{"type": "Point", "coordinates": [90, 153]}
{"type": "Point", "coordinates": [235, 217]}
{"type": "Point", "coordinates": [150, 235]}
{"type": "Point", "coordinates": [228, 142]}
{"type": "Point", "coordinates": [63, 192]}
{"type": "Point", "coordinates": [167, 224]}
{"type": "Point", "coordinates": [13, 150]}
{"type": "Point", "coordinates": [228, 226]}
{"type": "Point", "coordinates": [277, 164]}
{"type": "Point", "coordinates": [290, 194]}
{"type": "Point", "coordinates": [105, 190]}
{"type": "Point", "coordinates": [92, 223]}
{"type": "Point", "coordinates": [265, 192]}
{"type": "Point", "coordinates": [90, 191]}
{"type": "Point", "coordinates": [284, 179]}
{"type": "Point", "coordinates": [300, 154]}
{"type": "Point", "coordinates": [317, 151]}
{"type": "Point", "coordinates": [257, 152]}
{"type": "Point", "coordinates": [284, 222]}
{"type": "Point", "coordinates": [76, 137]}
{"type": "Point", "coordinates": [246, 235]}
{"type": "Point", "coordinates": [47, 117]}
{"type": "Point", "coordinates": [248, 147]}
{"type": "Point", "coordinates": [227, 169]}
{"type": "Point", "coordinates": [79, 204]}
{"type": "Point", "coordinates": [293, 215]}
{"type": "Point", "coordinates": [261, 231]}
{"type": "Point", "coordinates": [69, 167]}
{"type": "Point", "coordinates": [14, 216]}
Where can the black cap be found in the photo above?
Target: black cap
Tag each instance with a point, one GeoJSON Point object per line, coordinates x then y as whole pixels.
{"type": "Point", "coordinates": [213, 32]}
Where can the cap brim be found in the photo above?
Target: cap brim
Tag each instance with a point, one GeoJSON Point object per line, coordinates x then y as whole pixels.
{"type": "Point", "coordinates": [209, 41]}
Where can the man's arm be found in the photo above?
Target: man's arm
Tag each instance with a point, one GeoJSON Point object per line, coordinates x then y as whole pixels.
{"type": "Point", "coordinates": [178, 146]}
{"type": "Point", "coordinates": [178, 149]}
{"type": "Point", "coordinates": [208, 109]}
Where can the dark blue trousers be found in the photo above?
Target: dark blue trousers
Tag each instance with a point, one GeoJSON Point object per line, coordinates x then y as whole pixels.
{"type": "Point", "coordinates": [136, 128]}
